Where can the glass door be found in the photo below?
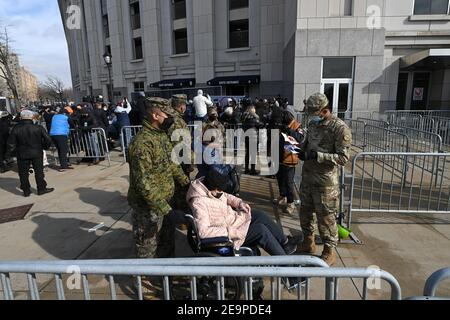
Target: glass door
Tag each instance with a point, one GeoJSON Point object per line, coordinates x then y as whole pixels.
{"type": "Point", "coordinates": [339, 93]}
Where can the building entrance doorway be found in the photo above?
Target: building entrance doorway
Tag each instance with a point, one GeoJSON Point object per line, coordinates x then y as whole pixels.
{"type": "Point", "coordinates": [340, 94]}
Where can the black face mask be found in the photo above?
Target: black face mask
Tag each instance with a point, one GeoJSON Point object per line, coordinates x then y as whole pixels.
{"type": "Point", "coordinates": [167, 124]}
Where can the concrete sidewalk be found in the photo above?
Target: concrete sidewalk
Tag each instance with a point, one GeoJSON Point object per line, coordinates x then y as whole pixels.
{"type": "Point", "coordinates": [57, 228]}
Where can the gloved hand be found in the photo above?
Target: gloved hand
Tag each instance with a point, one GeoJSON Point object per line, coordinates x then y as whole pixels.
{"type": "Point", "coordinates": [308, 156]}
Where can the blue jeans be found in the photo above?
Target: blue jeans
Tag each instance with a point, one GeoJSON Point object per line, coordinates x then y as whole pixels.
{"type": "Point", "coordinates": [95, 148]}
{"type": "Point", "coordinates": [286, 183]}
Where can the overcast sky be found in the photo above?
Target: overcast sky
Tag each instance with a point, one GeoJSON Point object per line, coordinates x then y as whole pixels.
{"type": "Point", "coordinates": [36, 28]}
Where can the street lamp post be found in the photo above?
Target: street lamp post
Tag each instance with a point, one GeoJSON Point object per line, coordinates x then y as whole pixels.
{"type": "Point", "coordinates": [108, 60]}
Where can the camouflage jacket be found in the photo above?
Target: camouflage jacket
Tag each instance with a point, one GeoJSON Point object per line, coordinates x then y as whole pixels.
{"type": "Point", "coordinates": [178, 124]}
{"type": "Point", "coordinates": [332, 141]}
{"type": "Point", "coordinates": [152, 173]}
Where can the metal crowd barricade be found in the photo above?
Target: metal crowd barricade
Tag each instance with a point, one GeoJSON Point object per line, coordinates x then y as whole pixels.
{"type": "Point", "coordinates": [358, 128]}
{"type": "Point", "coordinates": [378, 139]}
{"type": "Point", "coordinates": [127, 135]}
{"type": "Point", "coordinates": [421, 141]}
{"type": "Point", "coordinates": [428, 124]}
{"type": "Point", "coordinates": [442, 128]}
{"type": "Point", "coordinates": [378, 188]}
{"type": "Point", "coordinates": [434, 281]}
{"type": "Point", "coordinates": [354, 115]}
{"type": "Point", "coordinates": [247, 268]}
{"type": "Point", "coordinates": [406, 120]}
{"type": "Point", "coordinates": [375, 123]}
{"type": "Point", "coordinates": [90, 144]}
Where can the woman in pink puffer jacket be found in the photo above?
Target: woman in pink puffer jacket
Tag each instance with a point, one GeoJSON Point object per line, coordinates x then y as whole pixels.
{"type": "Point", "coordinates": [218, 214]}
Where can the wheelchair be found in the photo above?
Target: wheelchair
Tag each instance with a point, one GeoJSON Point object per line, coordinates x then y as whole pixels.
{"type": "Point", "coordinates": [220, 247]}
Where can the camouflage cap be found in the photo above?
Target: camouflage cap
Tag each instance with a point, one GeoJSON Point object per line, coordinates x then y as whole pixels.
{"type": "Point", "coordinates": [161, 104]}
{"type": "Point", "coordinates": [316, 103]}
{"type": "Point", "coordinates": [179, 98]}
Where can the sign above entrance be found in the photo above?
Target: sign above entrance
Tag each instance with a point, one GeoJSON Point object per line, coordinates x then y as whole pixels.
{"type": "Point", "coordinates": [238, 80]}
{"type": "Point", "coordinates": [174, 83]}
{"type": "Point", "coordinates": [418, 94]}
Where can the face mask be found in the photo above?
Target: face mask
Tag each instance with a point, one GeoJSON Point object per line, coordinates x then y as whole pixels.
{"type": "Point", "coordinates": [315, 120]}
{"type": "Point", "coordinates": [167, 124]}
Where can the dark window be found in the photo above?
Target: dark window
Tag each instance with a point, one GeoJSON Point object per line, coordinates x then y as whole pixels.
{"type": "Point", "coordinates": [401, 90]}
{"type": "Point", "coordinates": [138, 53]}
{"type": "Point", "coordinates": [181, 41]}
{"type": "Point", "coordinates": [238, 4]}
{"type": "Point", "coordinates": [135, 15]}
{"type": "Point", "coordinates": [179, 9]}
{"type": "Point", "coordinates": [139, 86]}
{"type": "Point", "coordinates": [431, 7]}
{"type": "Point", "coordinates": [103, 4]}
{"type": "Point", "coordinates": [348, 7]}
{"type": "Point", "coordinates": [106, 26]}
{"type": "Point", "coordinates": [239, 37]}
{"type": "Point", "coordinates": [337, 68]}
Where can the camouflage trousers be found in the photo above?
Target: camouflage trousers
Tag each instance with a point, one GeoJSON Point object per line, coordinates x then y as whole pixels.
{"type": "Point", "coordinates": [154, 235]}
{"type": "Point", "coordinates": [324, 202]}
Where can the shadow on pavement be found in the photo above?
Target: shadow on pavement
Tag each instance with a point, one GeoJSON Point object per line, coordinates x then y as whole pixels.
{"type": "Point", "coordinates": [12, 185]}
{"type": "Point", "coordinates": [106, 201]}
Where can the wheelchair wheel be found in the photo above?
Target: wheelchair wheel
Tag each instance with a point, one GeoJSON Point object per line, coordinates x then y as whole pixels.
{"type": "Point", "coordinates": [192, 239]}
{"type": "Point", "coordinates": [206, 286]}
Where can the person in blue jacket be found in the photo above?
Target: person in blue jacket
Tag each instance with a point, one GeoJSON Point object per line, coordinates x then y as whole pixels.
{"type": "Point", "coordinates": [60, 130]}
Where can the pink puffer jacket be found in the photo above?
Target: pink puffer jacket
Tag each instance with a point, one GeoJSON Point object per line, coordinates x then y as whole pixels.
{"type": "Point", "coordinates": [218, 217]}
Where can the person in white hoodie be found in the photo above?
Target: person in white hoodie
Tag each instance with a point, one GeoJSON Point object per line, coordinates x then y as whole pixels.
{"type": "Point", "coordinates": [201, 105]}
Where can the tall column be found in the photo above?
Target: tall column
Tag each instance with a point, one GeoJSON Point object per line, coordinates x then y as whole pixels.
{"type": "Point", "coordinates": [151, 16]}
{"type": "Point", "coordinates": [204, 40]}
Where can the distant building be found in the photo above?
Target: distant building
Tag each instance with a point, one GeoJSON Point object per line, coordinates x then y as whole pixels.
{"type": "Point", "coordinates": [14, 66]}
{"type": "Point", "coordinates": [28, 86]}
{"type": "Point", "coordinates": [364, 54]}
{"type": "Point", "coordinates": [26, 83]}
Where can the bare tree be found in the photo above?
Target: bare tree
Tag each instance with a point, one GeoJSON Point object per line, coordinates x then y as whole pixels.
{"type": "Point", "coordinates": [6, 68]}
{"type": "Point", "coordinates": [55, 87]}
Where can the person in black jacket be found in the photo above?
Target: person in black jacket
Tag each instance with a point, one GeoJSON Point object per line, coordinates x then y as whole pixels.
{"type": "Point", "coordinates": [48, 115]}
{"type": "Point", "coordinates": [5, 124]}
{"type": "Point", "coordinates": [137, 113]}
{"type": "Point", "coordinates": [88, 122]}
{"type": "Point", "coordinates": [27, 142]}
{"type": "Point", "coordinates": [101, 117]}
{"type": "Point", "coordinates": [251, 124]}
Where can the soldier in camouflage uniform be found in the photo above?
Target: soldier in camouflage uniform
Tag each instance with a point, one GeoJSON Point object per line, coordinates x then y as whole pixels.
{"type": "Point", "coordinates": [152, 183]}
{"type": "Point", "coordinates": [178, 108]}
{"type": "Point", "coordinates": [178, 103]}
{"type": "Point", "coordinates": [327, 147]}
